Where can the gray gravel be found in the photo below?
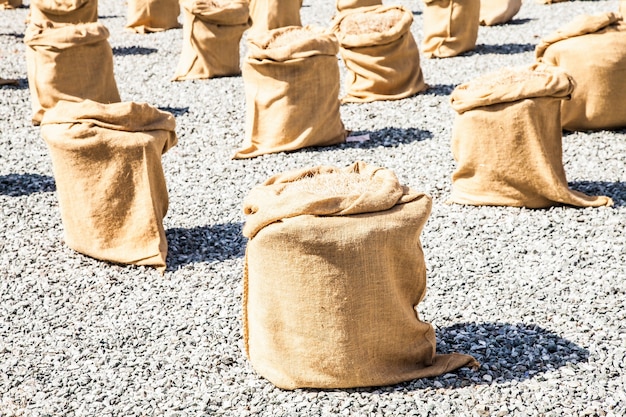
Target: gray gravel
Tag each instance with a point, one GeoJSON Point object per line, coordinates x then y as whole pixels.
{"type": "Point", "coordinates": [538, 296]}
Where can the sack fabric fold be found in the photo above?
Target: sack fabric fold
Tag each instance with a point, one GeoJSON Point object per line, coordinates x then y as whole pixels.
{"type": "Point", "coordinates": [592, 49]}
{"type": "Point", "coordinates": [145, 16]}
{"type": "Point", "coordinates": [507, 137]}
{"type": "Point", "coordinates": [211, 36]}
{"type": "Point", "coordinates": [42, 12]}
{"type": "Point", "coordinates": [10, 4]}
{"type": "Point", "coordinates": [273, 14]}
{"type": "Point", "coordinates": [496, 12]}
{"type": "Point", "coordinates": [450, 27]}
{"type": "Point", "coordinates": [380, 53]}
{"type": "Point", "coordinates": [334, 272]}
{"type": "Point", "coordinates": [112, 194]}
{"type": "Point", "coordinates": [291, 82]}
{"type": "Point", "coordinates": [342, 5]}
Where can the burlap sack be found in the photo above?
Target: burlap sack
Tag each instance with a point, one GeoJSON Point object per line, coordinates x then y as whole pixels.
{"type": "Point", "coordinates": [495, 12]}
{"type": "Point", "coordinates": [62, 11]}
{"type": "Point", "coordinates": [380, 53]}
{"type": "Point", "coordinates": [273, 14]}
{"type": "Point", "coordinates": [450, 27]}
{"type": "Point", "coordinates": [506, 140]}
{"type": "Point", "coordinates": [354, 4]}
{"type": "Point", "coordinates": [10, 4]}
{"type": "Point", "coordinates": [70, 62]}
{"type": "Point", "coordinates": [592, 49]}
{"type": "Point", "coordinates": [146, 16]}
{"type": "Point", "coordinates": [212, 32]}
{"type": "Point", "coordinates": [622, 7]}
{"type": "Point", "coordinates": [106, 160]}
{"type": "Point", "coordinates": [334, 271]}
{"type": "Point", "coordinates": [291, 81]}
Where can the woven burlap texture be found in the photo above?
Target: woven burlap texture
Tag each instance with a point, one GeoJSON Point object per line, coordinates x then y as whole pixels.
{"type": "Point", "coordinates": [450, 27]}
{"type": "Point", "coordinates": [63, 11]}
{"type": "Point", "coordinates": [506, 140]}
{"type": "Point", "coordinates": [383, 63]}
{"type": "Point", "coordinates": [292, 91]}
{"type": "Point", "coordinates": [342, 5]}
{"type": "Point", "coordinates": [106, 160]}
{"type": "Point", "coordinates": [274, 14]}
{"type": "Point", "coordinates": [146, 16]}
{"type": "Point", "coordinates": [211, 36]}
{"type": "Point", "coordinates": [592, 49]}
{"type": "Point", "coordinates": [71, 63]}
{"type": "Point", "coordinates": [334, 272]}
{"type": "Point", "coordinates": [10, 4]}
{"type": "Point", "coordinates": [496, 12]}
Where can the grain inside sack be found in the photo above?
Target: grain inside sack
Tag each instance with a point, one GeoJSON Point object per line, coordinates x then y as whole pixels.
{"type": "Point", "coordinates": [69, 62]}
{"type": "Point", "coordinates": [291, 82]}
{"type": "Point", "coordinates": [342, 5]}
{"type": "Point", "coordinates": [212, 31]}
{"type": "Point", "coordinates": [506, 140]}
{"type": "Point", "coordinates": [106, 160]}
{"type": "Point", "coordinates": [146, 16]}
{"type": "Point", "coordinates": [450, 27]}
{"type": "Point", "coordinates": [63, 11]}
{"type": "Point", "coordinates": [273, 14]}
{"type": "Point", "coordinates": [334, 271]}
{"type": "Point", "coordinates": [10, 4]}
{"type": "Point", "coordinates": [592, 49]}
{"type": "Point", "coordinates": [496, 12]}
{"type": "Point", "coordinates": [380, 53]}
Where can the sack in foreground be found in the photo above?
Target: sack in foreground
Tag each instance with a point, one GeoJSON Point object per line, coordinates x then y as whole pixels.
{"type": "Point", "coordinates": [592, 49]}
{"type": "Point", "coordinates": [334, 272]}
{"type": "Point", "coordinates": [43, 12]}
{"type": "Point", "coordinates": [380, 53]}
{"type": "Point", "coordinates": [496, 12]}
{"type": "Point", "coordinates": [273, 14]}
{"type": "Point", "coordinates": [506, 140]}
{"type": "Point", "coordinates": [145, 16]}
{"type": "Point", "coordinates": [110, 184]}
{"type": "Point", "coordinates": [450, 27]}
{"type": "Point", "coordinates": [291, 82]}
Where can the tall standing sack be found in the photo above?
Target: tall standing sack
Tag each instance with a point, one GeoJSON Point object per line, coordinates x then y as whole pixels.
{"type": "Point", "coordinates": [592, 49]}
{"type": "Point", "coordinates": [211, 36]}
{"type": "Point", "coordinates": [63, 11]}
{"type": "Point", "coordinates": [496, 12]}
{"type": "Point", "coordinates": [380, 53]}
{"type": "Point", "coordinates": [273, 14]}
{"type": "Point", "coordinates": [291, 82]}
{"type": "Point", "coordinates": [10, 4]}
{"type": "Point", "coordinates": [106, 160]}
{"type": "Point", "coordinates": [71, 63]}
{"type": "Point", "coordinates": [342, 5]}
{"type": "Point", "coordinates": [506, 140]}
{"type": "Point", "coordinates": [144, 16]}
{"type": "Point", "coordinates": [450, 27]}
{"type": "Point", "coordinates": [333, 274]}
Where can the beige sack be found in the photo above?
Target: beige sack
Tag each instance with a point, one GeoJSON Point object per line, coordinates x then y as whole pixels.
{"type": "Point", "coordinates": [506, 140]}
{"type": "Point", "coordinates": [106, 160]}
{"type": "Point", "coordinates": [495, 12]}
{"type": "Point", "coordinates": [152, 15]}
{"type": "Point", "coordinates": [380, 53]}
{"type": "Point", "coordinates": [62, 11]}
{"type": "Point", "coordinates": [72, 63]}
{"type": "Point", "coordinates": [450, 27]}
{"type": "Point", "coordinates": [354, 4]}
{"type": "Point", "coordinates": [211, 36]}
{"type": "Point", "coordinates": [334, 271]}
{"type": "Point", "coordinates": [622, 7]}
{"type": "Point", "coordinates": [291, 81]}
{"type": "Point", "coordinates": [592, 49]}
{"type": "Point", "coordinates": [273, 14]}
{"type": "Point", "coordinates": [10, 4]}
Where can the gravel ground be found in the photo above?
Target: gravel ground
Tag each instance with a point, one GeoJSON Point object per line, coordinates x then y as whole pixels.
{"type": "Point", "coordinates": [537, 296]}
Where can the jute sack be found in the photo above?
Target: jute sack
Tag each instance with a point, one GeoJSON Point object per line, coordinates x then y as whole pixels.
{"type": "Point", "coordinates": [291, 82]}
{"type": "Point", "coordinates": [146, 16]}
{"type": "Point", "coordinates": [211, 35]}
{"type": "Point", "coordinates": [380, 53]}
{"type": "Point", "coordinates": [495, 12]}
{"type": "Point", "coordinates": [592, 49]}
{"type": "Point", "coordinates": [69, 62]}
{"type": "Point", "coordinates": [354, 4]}
{"type": "Point", "coordinates": [450, 27]}
{"type": "Point", "coordinates": [106, 160]}
{"type": "Point", "coordinates": [622, 7]}
{"type": "Point", "coordinates": [63, 11]}
{"type": "Point", "coordinates": [274, 14]}
{"type": "Point", "coordinates": [507, 137]}
{"type": "Point", "coordinates": [333, 273]}
{"type": "Point", "coordinates": [10, 4]}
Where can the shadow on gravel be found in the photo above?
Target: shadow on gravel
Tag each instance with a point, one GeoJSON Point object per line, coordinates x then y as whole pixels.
{"type": "Point", "coordinates": [204, 244]}
{"type": "Point", "coordinates": [113, 16]}
{"type": "Point", "coordinates": [519, 21]}
{"type": "Point", "coordinates": [133, 50]}
{"type": "Point", "coordinates": [503, 49]}
{"type": "Point", "coordinates": [615, 190]}
{"type": "Point", "coordinates": [386, 137]}
{"type": "Point", "coordinates": [176, 111]}
{"type": "Point", "coordinates": [14, 35]}
{"type": "Point", "coordinates": [22, 84]}
{"type": "Point", "coordinates": [439, 90]}
{"type": "Point", "coordinates": [17, 185]}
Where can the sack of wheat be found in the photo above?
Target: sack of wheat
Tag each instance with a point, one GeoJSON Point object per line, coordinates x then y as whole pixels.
{"type": "Point", "coordinates": [274, 14]}
{"type": "Point", "coordinates": [42, 12]}
{"type": "Point", "coordinates": [450, 27]}
{"type": "Point", "coordinates": [496, 12]}
{"type": "Point", "coordinates": [146, 16]}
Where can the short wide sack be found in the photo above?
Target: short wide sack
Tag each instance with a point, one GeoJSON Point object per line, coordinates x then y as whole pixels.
{"type": "Point", "coordinates": [507, 138]}
{"type": "Point", "coordinates": [291, 82]}
{"type": "Point", "coordinates": [334, 271]}
{"type": "Point", "coordinates": [380, 53]}
{"type": "Point", "coordinates": [211, 35]}
{"type": "Point", "coordinates": [273, 14]}
{"type": "Point", "coordinates": [145, 16]}
{"type": "Point", "coordinates": [342, 5]}
{"type": "Point", "coordinates": [495, 12]}
{"type": "Point", "coordinates": [106, 160]}
{"type": "Point", "coordinates": [71, 63]}
{"type": "Point", "coordinates": [592, 49]}
{"type": "Point", "coordinates": [63, 11]}
{"type": "Point", "coordinates": [450, 27]}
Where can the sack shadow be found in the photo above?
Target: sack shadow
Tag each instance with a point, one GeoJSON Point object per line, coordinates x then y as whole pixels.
{"type": "Point", "coordinates": [14, 35]}
{"type": "Point", "coordinates": [21, 84]}
{"type": "Point", "coordinates": [17, 185]}
{"type": "Point", "coordinates": [519, 21]}
{"type": "Point", "coordinates": [176, 111]}
{"type": "Point", "coordinates": [439, 89]}
{"type": "Point", "coordinates": [387, 137]}
{"type": "Point", "coordinates": [502, 49]}
{"type": "Point", "coordinates": [204, 244]}
{"type": "Point", "coordinates": [133, 50]}
{"type": "Point", "coordinates": [616, 190]}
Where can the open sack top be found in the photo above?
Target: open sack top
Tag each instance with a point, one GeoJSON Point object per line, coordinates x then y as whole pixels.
{"type": "Point", "coordinates": [223, 12]}
{"type": "Point", "coordinates": [66, 35]}
{"type": "Point", "coordinates": [371, 26]}
{"type": "Point", "coordinates": [324, 191]}
{"type": "Point", "coordinates": [512, 84]}
{"type": "Point", "coordinates": [291, 42]}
